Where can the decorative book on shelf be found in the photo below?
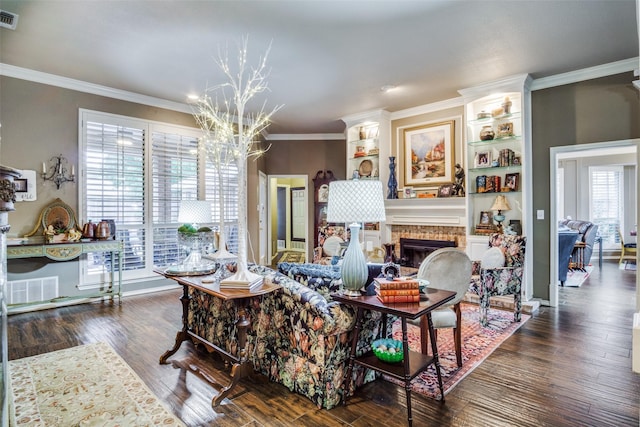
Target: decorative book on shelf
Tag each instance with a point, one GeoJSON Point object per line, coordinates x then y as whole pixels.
{"type": "Point", "coordinates": [389, 299]}
{"type": "Point", "coordinates": [398, 283]}
{"type": "Point", "coordinates": [385, 292]}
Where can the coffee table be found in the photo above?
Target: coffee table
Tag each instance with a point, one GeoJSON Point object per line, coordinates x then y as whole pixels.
{"type": "Point", "coordinates": [210, 284]}
{"type": "Point", "coordinates": [414, 363]}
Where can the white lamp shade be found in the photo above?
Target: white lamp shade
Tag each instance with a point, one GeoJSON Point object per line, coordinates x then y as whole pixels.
{"type": "Point", "coordinates": [195, 212]}
{"type": "Point", "coordinates": [355, 201]}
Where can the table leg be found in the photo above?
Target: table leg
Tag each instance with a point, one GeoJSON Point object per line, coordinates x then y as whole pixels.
{"type": "Point", "coordinates": [182, 335]}
{"type": "Point", "coordinates": [352, 356]}
{"type": "Point", "coordinates": [434, 350]}
{"type": "Point", "coordinates": [407, 376]}
{"type": "Point", "coordinates": [242, 367]}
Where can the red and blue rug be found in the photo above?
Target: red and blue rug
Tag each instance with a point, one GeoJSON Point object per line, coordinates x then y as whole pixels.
{"type": "Point", "coordinates": [477, 344]}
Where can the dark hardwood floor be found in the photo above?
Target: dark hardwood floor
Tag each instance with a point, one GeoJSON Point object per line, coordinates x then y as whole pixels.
{"type": "Point", "coordinates": [567, 366]}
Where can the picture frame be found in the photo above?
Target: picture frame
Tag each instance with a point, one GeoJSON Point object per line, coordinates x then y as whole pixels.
{"type": "Point", "coordinates": [482, 159]}
{"type": "Point", "coordinates": [25, 186]}
{"type": "Point", "coordinates": [429, 154]}
{"type": "Point", "coordinates": [486, 218]}
{"type": "Point", "coordinates": [408, 192]}
{"type": "Point", "coordinates": [512, 181]}
{"type": "Point", "coordinates": [445, 190]}
{"type": "Point", "coordinates": [504, 130]}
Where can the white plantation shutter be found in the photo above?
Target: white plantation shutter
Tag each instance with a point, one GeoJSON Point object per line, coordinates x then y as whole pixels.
{"type": "Point", "coordinates": [136, 172]}
{"type": "Point", "coordinates": [114, 170]}
{"type": "Point", "coordinates": [606, 202]}
{"type": "Point", "coordinates": [175, 178]}
{"type": "Point", "coordinates": [230, 191]}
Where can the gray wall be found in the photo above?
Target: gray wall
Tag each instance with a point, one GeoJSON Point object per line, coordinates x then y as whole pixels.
{"type": "Point", "coordinates": [604, 109]}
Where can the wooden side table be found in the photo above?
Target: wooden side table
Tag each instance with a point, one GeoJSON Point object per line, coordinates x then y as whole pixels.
{"type": "Point", "coordinates": [210, 284]}
{"type": "Point", "coordinates": [414, 362]}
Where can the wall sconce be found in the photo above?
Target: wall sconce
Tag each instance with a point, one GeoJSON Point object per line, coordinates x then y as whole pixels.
{"type": "Point", "coordinates": [58, 171]}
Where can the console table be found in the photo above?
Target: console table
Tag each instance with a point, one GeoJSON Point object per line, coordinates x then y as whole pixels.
{"type": "Point", "coordinates": [210, 284]}
{"type": "Point", "coordinates": [66, 251]}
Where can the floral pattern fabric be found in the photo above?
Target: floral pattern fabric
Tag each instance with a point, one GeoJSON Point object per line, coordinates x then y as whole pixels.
{"type": "Point", "coordinates": [297, 337]}
{"type": "Point", "coordinates": [488, 282]}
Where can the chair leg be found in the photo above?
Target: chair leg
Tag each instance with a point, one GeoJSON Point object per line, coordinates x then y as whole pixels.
{"type": "Point", "coordinates": [517, 299]}
{"type": "Point", "coordinates": [457, 335]}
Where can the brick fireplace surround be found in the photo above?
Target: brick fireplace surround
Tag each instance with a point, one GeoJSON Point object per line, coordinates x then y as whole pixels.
{"type": "Point", "coordinates": [427, 232]}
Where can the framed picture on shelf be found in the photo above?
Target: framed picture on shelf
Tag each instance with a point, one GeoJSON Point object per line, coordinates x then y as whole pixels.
{"type": "Point", "coordinates": [504, 130]}
{"type": "Point", "coordinates": [482, 159]}
{"type": "Point", "coordinates": [429, 154]}
{"type": "Point", "coordinates": [512, 181]}
{"type": "Point", "coordinates": [445, 190]}
{"type": "Point", "coordinates": [486, 218]}
{"type": "Point", "coordinates": [408, 192]}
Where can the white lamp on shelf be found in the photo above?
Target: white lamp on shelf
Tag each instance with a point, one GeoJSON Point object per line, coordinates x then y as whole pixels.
{"type": "Point", "coordinates": [353, 202]}
{"type": "Point", "coordinates": [194, 213]}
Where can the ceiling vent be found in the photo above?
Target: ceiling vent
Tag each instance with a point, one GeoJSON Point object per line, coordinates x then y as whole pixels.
{"type": "Point", "coordinates": [8, 20]}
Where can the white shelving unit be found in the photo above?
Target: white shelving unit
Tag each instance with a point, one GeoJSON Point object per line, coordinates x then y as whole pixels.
{"type": "Point", "coordinates": [501, 165]}
{"type": "Point", "coordinates": [368, 138]}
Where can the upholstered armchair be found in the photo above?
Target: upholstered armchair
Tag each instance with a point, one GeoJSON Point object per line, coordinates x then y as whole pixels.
{"type": "Point", "coordinates": [500, 273]}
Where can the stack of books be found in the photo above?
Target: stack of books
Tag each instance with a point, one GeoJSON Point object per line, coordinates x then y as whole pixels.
{"type": "Point", "coordinates": [397, 290]}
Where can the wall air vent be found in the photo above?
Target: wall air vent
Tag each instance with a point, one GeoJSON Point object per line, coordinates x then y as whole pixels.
{"type": "Point", "coordinates": [8, 20]}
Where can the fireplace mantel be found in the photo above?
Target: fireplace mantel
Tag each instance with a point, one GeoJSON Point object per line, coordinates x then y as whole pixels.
{"type": "Point", "coordinates": [449, 211]}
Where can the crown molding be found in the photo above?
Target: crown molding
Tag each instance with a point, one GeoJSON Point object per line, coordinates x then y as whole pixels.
{"type": "Point", "coordinates": [86, 87]}
{"type": "Point", "coordinates": [618, 67]}
{"type": "Point", "coordinates": [428, 108]}
{"type": "Point", "coordinates": [306, 137]}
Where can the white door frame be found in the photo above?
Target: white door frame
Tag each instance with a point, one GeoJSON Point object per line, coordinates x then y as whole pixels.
{"type": "Point", "coordinates": [553, 250]}
{"type": "Point", "coordinates": [272, 188]}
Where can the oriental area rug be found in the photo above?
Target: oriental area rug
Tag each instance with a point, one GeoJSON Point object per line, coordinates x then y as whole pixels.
{"type": "Point", "coordinates": [89, 385]}
{"type": "Point", "coordinates": [477, 344]}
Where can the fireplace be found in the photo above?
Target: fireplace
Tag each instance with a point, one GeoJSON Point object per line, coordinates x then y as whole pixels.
{"type": "Point", "coordinates": [414, 251]}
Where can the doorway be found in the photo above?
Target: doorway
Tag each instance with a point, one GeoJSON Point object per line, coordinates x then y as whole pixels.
{"type": "Point", "coordinates": [288, 215]}
{"type": "Point", "coordinates": [628, 148]}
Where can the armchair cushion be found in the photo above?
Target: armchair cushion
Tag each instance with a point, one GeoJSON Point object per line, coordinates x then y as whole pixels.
{"type": "Point", "coordinates": [493, 258]}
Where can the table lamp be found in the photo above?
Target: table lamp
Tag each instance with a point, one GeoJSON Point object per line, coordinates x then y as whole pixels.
{"type": "Point", "coordinates": [193, 213]}
{"type": "Point", "coordinates": [500, 204]}
{"type": "Point", "coordinates": [352, 202]}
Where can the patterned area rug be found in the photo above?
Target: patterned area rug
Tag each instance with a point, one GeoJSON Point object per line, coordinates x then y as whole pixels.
{"type": "Point", "coordinates": [289, 256]}
{"type": "Point", "coordinates": [477, 344]}
{"type": "Point", "coordinates": [575, 278]}
{"type": "Point", "coordinates": [89, 385]}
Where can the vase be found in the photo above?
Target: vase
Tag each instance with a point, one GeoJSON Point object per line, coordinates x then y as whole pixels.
{"type": "Point", "coordinates": [392, 184]}
{"type": "Point", "coordinates": [487, 133]}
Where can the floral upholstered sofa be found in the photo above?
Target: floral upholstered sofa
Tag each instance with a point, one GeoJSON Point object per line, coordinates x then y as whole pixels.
{"type": "Point", "coordinates": [298, 337]}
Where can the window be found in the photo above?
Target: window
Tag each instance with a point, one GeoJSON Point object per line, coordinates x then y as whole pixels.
{"type": "Point", "coordinates": [137, 172]}
{"type": "Point", "coordinates": [605, 204]}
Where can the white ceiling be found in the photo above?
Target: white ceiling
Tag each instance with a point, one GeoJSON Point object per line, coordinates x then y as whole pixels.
{"type": "Point", "coordinates": [328, 59]}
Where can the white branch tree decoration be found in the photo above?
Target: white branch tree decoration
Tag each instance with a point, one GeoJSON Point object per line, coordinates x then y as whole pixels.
{"type": "Point", "coordinates": [231, 135]}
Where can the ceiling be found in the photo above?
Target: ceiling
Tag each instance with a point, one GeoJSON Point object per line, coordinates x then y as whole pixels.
{"type": "Point", "coordinates": [328, 59]}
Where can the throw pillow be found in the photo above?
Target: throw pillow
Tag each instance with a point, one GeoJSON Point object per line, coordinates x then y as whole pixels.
{"type": "Point", "coordinates": [493, 258]}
